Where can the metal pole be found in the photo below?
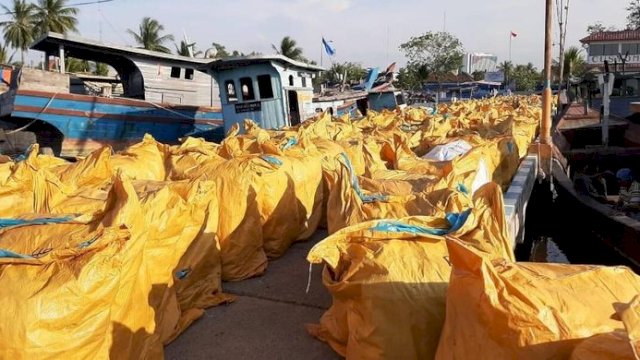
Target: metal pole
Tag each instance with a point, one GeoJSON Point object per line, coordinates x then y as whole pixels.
{"type": "Point", "coordinates": [545, 123]}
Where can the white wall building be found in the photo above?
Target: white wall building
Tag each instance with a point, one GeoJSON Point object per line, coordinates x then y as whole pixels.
{"type": "Point", "coordinates": [472, 62]}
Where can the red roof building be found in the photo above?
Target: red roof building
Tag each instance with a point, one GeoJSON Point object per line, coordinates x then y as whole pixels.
{"type": "Point", "coordinates": [614, 46]}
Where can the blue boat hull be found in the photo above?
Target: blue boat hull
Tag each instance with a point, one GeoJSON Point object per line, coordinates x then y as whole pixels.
{"type": "Point", "coordinates": [90, 122]}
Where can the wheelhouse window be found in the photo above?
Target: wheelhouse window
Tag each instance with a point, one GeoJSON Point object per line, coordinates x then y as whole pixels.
{"type": "Point", "coordinates": [290, 80]}
{"type": "Point", "coordinates": [304, 82]}
{"type": "Point", "coordinates": [246, 86]}
{"type": "Point", "coordinates": [230, 88]}
{"type": "Point", "coordinates": [175, 72]}
{"type": "Point", "coordinates": [188, 74]}
{"type": "Point", "coordinates": [264, 86]}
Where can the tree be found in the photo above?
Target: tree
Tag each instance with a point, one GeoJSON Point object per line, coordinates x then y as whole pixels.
{"type": "Point", "coordinates": [18, 32]}
{"type": "Point", "coordinates": [411, 77]}
{"type": "Point", "coordinates": [73, 65]}
{"type": "Point", "coordinates": [5, 58]}
{"type": "Point", "coordinates": [478, 75]}
{"type": "Point", "coordinates": [149, 35]}
{"type": "Point", "coordinates": [101, 69]}
{"type": "Point", "coordinates": [221, 51]}
{"type": "Point", "coordinates": [595, 28]}
{"type": "Point", "coordinates": [185, 49]}
{"type": "Point", "coordinates": [335, 74]}
{"type": "Point", "coordinates": [633, 18]}
{"type": "Point", "coordinates": [289, 48]}
{"type": "Point", "coordinates": [573, 62]}
{"type": "Point", "coordinates": [436, 53]}
{"type": "Point", "coordinates": [54, 15]}
{"type": "Point", "coordinates": [526, 77]}
{"type": "Point", "coordinates": [506, 67]}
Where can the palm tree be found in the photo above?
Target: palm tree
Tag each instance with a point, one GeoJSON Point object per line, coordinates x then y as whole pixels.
{"type": "Point", "coordinates": [183, 49]}
{"type": "Point", "coordinates": [149, 36]}
{"type": "Point", "coordinates": [573, 61]}
{"type": "Point", "coordinates": [54, 15]}
{"type": "Point", "coordinates": [101, 69]}
{"type": "Point", "coordinates": [5, 58]}
{"type": "Point", "coordinates": [507, 68]}
{"type": "Point", "coordinates": [288, 47]}
{"type": "Point", "coordinates": [18, 32]}
{"type": "Point", "coordinates": [73, 65]}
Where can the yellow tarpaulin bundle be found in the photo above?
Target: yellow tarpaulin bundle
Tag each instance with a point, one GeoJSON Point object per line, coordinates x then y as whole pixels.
{"type": "Point", "coordinates": [388, 278]}
{"type": "Point", "coordinates": [239, 226]}
{"type": "Point", "coordinates": [619, 344]}
{"type": "Point", "coordinates": [288, 183]}
{"type": "Point", "coordinates": [63, 283]}
{"type": "Point", "coordinates": [352, 201]}
{"type": "Point", "coordinates": [488, 301]}
{"type": "Point", "coordinates": [165, 274]}
{"type": "Point", "coordinates": [142, 161]}
{"type": "Point", "coordinates": [187, 160]}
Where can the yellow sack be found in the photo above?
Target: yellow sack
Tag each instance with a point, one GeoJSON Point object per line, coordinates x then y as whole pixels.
{"type": "Point", "coordinates": [63, 281]}
{"type": "Point", "coordinates": [489, 301]}
{"type": "Point", "coordinates": [181, 255]}
{"type": "Point", "coordinates": [388, 278]}
{"type": "Point", "coordinates": [185, 161]}
{"type": "Point", "coordinates": [351, 203]}
{"type": "Point", "coordinates": [239, 226]}
{"type": "Point", "coordinates": [613, 345]}
{"type": "Point", "coordinates": [31, 188]}
{"type": "Point", "coordinates": [383, 307]}
{"type": "Point", "coordinates": [142, 161]}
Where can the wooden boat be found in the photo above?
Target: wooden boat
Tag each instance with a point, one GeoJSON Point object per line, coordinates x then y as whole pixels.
{"type": "Point", "coordinates": [577, 135]}
{"type": "Point", "coordinates": [161, 94]}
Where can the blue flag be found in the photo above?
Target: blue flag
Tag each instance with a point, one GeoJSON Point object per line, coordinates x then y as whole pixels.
{"type": "Point", "coordinates": [330, 50]}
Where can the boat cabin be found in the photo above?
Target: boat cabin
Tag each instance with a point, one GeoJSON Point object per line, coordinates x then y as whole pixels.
{"type": "Point", "coordinates": [274, 91]}
{"type": "Point", "coordinates": [140, 74]}
{"type": "Point", "coordinates": [386, 99]}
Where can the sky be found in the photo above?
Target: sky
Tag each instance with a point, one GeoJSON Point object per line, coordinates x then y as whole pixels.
{"type": "Point", "coordinates": [368, 32]}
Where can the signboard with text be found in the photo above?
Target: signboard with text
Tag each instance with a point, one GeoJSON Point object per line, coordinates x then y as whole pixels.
{"type": "Point", "coordinates": [599, 59]}
{"type": "Point", "coordinates": [248, 107]}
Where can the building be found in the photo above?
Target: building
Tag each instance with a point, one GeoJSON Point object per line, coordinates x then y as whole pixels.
{"type": "Point", "coordinates": [615, 47]}
{"type": "Point", "coordinates": [621, 49]}
{"type": "Point", "coordinates": [473, 62]}
{"type": "Point", "coordinates": [274, 91]}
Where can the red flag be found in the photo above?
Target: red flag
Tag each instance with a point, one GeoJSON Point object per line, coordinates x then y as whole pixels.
{"type": "Point", "coordinates": [514, 34]}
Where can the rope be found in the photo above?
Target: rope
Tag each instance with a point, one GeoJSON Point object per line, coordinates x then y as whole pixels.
{"type": "Point", "coordinates": [169, 110]}
{"type": "Point", "coordinates": [309, 279]}
{"type": "Point", "coordinates": [35, 118]}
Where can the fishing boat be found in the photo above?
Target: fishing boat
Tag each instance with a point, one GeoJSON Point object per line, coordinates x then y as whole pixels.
{"type": "Point", "coordinates": [161, 94]}
{"type": "Point", "coordinates": [577, 135]}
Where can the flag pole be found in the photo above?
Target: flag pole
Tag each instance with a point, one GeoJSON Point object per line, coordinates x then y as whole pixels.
{"type": "Point", "coordinates": [321, 50]}
{"type": "Point", "coordinates": [510, 38]}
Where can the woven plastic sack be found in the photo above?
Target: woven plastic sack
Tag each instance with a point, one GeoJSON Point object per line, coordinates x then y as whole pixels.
{"type": "Point", "coordinates": [388, 278]}
{"type": "Point", "coordinates": [501, 309]}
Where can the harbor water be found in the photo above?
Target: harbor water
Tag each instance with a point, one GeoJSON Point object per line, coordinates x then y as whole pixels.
{"type": "Point", "coordinates": [555, 234]}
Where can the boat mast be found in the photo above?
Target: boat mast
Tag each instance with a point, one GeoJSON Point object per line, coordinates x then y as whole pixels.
{"type": "Point", "coordinates": [545, 125]}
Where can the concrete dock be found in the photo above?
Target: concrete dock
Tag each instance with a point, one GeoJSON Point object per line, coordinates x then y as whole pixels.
{"type": "Point", "coordinates": [268, 317]}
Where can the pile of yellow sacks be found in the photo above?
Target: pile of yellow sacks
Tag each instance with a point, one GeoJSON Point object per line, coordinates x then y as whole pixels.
{"type": "Point", "coordinates": [115, 254]}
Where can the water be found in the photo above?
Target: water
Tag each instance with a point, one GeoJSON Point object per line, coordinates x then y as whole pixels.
{"type": "Point", "coordinates": [546, 250]}
{"type": "Point", "coordinates": [556, 233]}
